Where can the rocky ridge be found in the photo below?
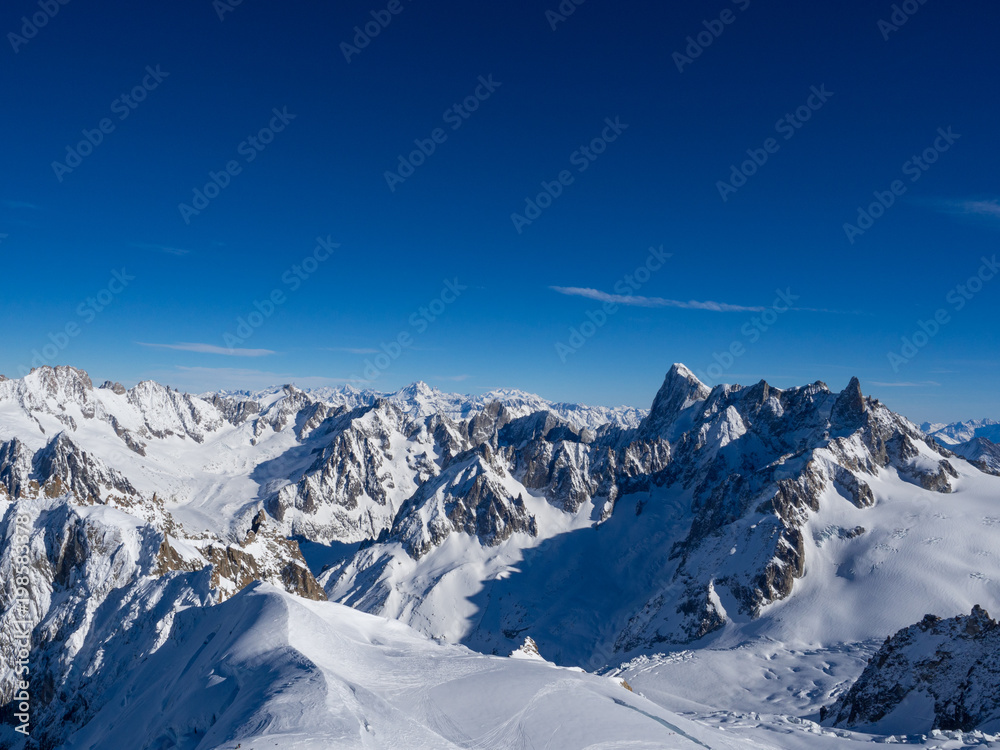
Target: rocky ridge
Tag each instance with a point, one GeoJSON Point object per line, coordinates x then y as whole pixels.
{"type": "Point", "coordinates": [938, 674]}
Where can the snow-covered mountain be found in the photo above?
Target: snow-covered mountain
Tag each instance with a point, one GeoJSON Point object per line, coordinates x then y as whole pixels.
{"type": "Point", "coordinates": [703, 521]}
{"type": "Point", "coordinates": [421, 400]}
{"type": "Point", "coordinates": [980, 451]}
{"type": "Point", "coordinates": [962, 432]}
{"type": "Point", "coordinates": [735, 528]}
{"type": "Point", "coordinates": [937, 674]}
{"type": "Point", "coordinates": [975, 440]}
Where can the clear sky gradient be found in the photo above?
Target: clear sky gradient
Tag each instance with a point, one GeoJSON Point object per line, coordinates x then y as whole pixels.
{"type": "Point", "coordinates": [223, 202]}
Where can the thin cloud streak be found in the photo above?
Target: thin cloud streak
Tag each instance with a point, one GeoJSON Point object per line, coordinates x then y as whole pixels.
{"type": "Point", "coordinates": [638, 301]}
{"type": "Point", "coordinates": [210, 349]}
{"type": "Point", "coordinates": [163, 249]}
{"type": "Point", "coordinates": [980, 208]}
{"type": "Point", "coordinates": [988, 209]}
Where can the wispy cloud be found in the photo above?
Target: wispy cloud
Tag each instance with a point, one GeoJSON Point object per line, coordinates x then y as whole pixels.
{"type": "Point", "coordinates": [988, 208]}
{"type": "Point", "coordinates": [349, 350]}
{"type": "Point", "coordinates": [20, 204]}
{"type": "Point", "coordinates": [904, 384]}
{"type": "Point", "coordinates": [637, 301]}
{"type": "Point", "coordinates": [210, 349]}
{"type": "Point", "coordinates": [162, 249]}
{"type": "Point", "coordinates": [981, 208]}
{"type": "Point", "coordinates": [452, 378]}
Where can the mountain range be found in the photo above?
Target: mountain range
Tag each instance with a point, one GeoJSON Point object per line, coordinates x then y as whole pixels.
{"type": "Point", "coordinates": [345, 568]}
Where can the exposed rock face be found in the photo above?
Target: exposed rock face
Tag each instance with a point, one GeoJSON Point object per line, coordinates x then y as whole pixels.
{"type": "Point", "coordinates": [471, 497]}
{"type": "Point", "coordinates": [235, 411]}
{"type": "Point", "coordinates": [88, 578]}
{"type": "Point", "coordinates": [371, 459]}
{"type": "Point", "coordinates": [168, 412]}
{"type": "Point", "coordinates": [115, 387]}
{"type": "Point", "coordinates": [154, 410]}
{"type": "Point", "coordinates": [15, 469]}
{"type": "Point", "coordinates": [96, 577]}
{"type": "Point", "coordinates": [62, 467]}
{"type": "Point", "coordinates": [849, 409]}
{"type": "Point", "coordinates": [528, 650]}
{"type": "Point", "coordinates": [680, 390]}
{"type": "Point", "coordinates": [758, 461]}
{"type": "Point", "coordinates": [947, 671]}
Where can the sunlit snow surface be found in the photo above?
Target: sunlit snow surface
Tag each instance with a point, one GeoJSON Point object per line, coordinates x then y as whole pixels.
{"type": "Point", "coordinates": [266, 669]}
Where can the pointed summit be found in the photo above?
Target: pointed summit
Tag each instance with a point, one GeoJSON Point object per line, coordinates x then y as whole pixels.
{"type": "Point", "coordinates": [849, 408]}
{"type": "Point", "coordinates": [680, 390]}
{"type": "Point", "coordinates": [418, 390]}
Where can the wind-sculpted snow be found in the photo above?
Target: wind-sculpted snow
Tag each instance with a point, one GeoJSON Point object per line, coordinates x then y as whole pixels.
{"type": "Point", "coordinates": [266, 669]}
{"type": "Point", "coordinates": [100, 590]}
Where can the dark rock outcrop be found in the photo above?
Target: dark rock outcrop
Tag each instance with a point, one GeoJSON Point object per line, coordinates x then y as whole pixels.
{"type": "Point", "coordinates": [948, 671]}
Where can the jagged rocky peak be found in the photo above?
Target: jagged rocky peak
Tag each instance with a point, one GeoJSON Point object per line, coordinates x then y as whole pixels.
{"type": "Point", "coordinates": [487, 423]}
{"type": "Point", "coordinates": [681, 389]}
{"type": "Point", "coordinates": [938, 674]}
{"type": "Point", "coordinates": [758, 461]}
{"type": "Point", "coordinates": [168, 412]}
{"type": "Point", "coordinates": [470, 497]}
{"type": "Point", "coordinates": [56, 379]}
{"type": "Point", "coordinates": [62, 466]}
{"type": "Point", "coordinates": [235, 410]}
{"type": "Point", "coordinates": [849, 408]}
{"type": "Point", "coordinates": [52, 389]}
{"type": "Point", "coordinates": [285, 411]}
{"type": "Point", "coordinates": [115, 387]}
{"type": "Point", "coordinates": [15, 468]}
{"type": "Point", "coordinates": [527, 650]}
{"type": "Point", "coordinates": [542, 425]}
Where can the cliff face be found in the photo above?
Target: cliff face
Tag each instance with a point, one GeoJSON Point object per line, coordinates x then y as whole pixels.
{"type": "Point", "coordinates": [937, 674]}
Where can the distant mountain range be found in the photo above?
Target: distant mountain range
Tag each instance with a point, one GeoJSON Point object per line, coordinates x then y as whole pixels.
{"type": "Point", "coordinates": [962, 432]}
{"type": "Point", "coordinates": [421, 400]}
{"type": "Point", "coordinates": [975, 440]}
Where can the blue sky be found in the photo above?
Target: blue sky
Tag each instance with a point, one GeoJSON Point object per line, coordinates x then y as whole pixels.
{"type": "Point", "coordinates": [632, 126]}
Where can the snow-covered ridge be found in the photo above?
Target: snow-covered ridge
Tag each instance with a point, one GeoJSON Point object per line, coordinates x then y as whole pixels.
{"type": "Point", "coordinates": [421, 400]}
{"type": "Point", "coordinates": [962, 432]}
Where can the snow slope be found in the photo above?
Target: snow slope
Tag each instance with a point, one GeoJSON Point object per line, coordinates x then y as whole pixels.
{"type": "Point", "coordinates": [266, 669]}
